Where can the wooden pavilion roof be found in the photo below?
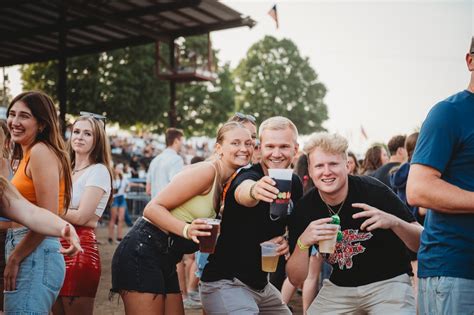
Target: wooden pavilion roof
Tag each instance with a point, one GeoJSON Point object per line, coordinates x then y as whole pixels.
{"type": "Point", "coordinates": [41, 30]}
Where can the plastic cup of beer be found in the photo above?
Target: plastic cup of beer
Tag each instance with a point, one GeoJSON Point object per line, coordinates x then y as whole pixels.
{"type": "Point", "coordinates": [207, 244]}
{"type": "Point", "coordinates": [269, 256]}
{"type": "Point", "coordinates": [282, 178]}
{"type": "Point", "coordinates": [328, 246]}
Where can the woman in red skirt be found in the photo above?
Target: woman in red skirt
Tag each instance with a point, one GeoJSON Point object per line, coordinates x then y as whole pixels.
{"type": "Point", "coordinates": [91, 176]}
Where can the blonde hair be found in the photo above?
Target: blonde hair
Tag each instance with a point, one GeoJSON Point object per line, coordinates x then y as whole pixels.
{"type": "Point", "coordinates": [278, 123]}
{"type": "Point", "coordinates": [328, 142]}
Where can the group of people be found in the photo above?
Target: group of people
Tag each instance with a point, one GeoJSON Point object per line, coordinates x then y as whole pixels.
{"type": "Point", "coordinates": [371, 262]}
{"type": "Point", "coordinates": [62, 190]}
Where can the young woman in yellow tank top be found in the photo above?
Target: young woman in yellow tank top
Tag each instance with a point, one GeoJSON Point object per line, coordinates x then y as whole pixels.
{"type": "Point", "coordinates": [144, 265]}
{"type": "Point", "coordinates": [34, 272]}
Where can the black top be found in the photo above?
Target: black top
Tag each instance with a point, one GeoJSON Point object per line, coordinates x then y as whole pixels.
{"type": "Point", "coordinates": [238, 251]}
{"type": "Point", "coordinates": [383, 172]}
{"type": "Point", "coordinates": [361, 257]}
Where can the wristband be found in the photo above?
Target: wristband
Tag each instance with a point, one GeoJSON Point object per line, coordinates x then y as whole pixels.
{"type": "Point", "coordinates": [251, 191]}
{"type": "Point", "coordinates": [185, 231]}
{"type": "Point", "coordinates": [301, 245]}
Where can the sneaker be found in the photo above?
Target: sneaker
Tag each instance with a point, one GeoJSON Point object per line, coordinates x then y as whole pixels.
{"type": "Point", "coordinates": [190, 304]}
{"type": "Point", "coordinates": [194, 295]}
{"type": "Point", "coordinates": [110, 241]}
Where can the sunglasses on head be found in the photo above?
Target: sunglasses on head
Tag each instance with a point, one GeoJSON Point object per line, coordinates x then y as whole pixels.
{"type": "Point", "coordinates": [98, 117]}
{"type": "Point", "coordinates": [245, 117]}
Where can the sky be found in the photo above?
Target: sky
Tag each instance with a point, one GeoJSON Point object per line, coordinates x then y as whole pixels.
{"type": "Point", "coordinates": [384, 63]}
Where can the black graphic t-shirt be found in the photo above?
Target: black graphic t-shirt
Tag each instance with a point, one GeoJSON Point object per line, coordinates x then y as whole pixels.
{"type": "Point", "coordinates": [238, 253]}
{"type": "Point", "coordinates": [361, 257]}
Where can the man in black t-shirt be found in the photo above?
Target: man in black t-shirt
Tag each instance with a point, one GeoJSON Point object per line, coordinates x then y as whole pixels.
{"type": "Point", "coordinates": [370, 263]}
{"type": "Point", "coordinates": [233, 281]}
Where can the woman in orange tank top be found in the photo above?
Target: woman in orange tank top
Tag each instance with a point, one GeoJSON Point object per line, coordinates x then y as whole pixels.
{"type": "Point", "coordinates": [35, 269]}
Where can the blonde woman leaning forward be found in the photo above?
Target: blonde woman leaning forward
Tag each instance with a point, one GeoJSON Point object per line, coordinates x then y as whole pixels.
{"type": "Point", "coordinates": [144, 264]}
{"type": "Point", "coordinates": [92, 182]}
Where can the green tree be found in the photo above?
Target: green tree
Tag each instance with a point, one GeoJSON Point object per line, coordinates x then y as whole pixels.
{"type": "Point", "coordinates": [273, 79]}
{"type": "Point", "coordinates": [123, 85]}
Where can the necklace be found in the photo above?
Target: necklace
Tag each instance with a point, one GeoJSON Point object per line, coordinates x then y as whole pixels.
{"type": "Point", "coordinates": [74, 171]}
{"type": "Point", "coordinates": [331, 211]}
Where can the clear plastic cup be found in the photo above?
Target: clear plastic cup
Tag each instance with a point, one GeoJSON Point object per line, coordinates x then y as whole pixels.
{"type": "Point", "coordinates": [329, 246]}
{"type": "Point", "coordinates": [269, 256]}
{"type": "Point", "coordinates": [207, 244]}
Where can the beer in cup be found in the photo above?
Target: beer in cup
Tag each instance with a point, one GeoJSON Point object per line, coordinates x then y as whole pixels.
{"type": "Point", "coordinates": [269, 256]}
{"type": "Point", "coordinates": [279, 206]}
{"type": "Point", "coordinates": [328, 246]}
{"type": "Point", "coordinates": [207, 244]}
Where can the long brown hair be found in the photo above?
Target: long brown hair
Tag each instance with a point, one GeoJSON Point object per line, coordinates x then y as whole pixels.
{"type": "Point", "coordinates": [373, 159]}
{"type": "Point", "coordinates": [100, 152]}
{"type": "Point", "coordinates": [43, 109]}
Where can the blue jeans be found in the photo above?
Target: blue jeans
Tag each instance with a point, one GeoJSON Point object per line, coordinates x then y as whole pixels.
{"type": "Point", "coordinates": [445, 295]}
{"type": "Point", "coordinates": [39, 278]}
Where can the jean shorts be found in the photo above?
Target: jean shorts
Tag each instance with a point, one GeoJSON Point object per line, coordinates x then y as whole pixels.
{"type": "Point", "coordinates": [143, 262]}
{"type": "Point", "coordinates": [445, 295]}
{"type": "Point", "coordinates": [119, 202]}
{"type": "Point", "coordinates": [39, 278]}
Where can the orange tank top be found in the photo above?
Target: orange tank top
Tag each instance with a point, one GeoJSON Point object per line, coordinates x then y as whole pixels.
{"type": "Point", "coordinates": [25, 185]}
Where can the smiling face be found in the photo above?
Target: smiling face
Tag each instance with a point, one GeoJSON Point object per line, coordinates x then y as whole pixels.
{"type": "Point", "coordinates": [277, 147]}
{"type": "Point", "coordinates": [329, 173]}
{"type": "Point", "coordinates": [82, 137]}
{"type": "Point", "coordinates": [236, 148]}
{"type": "Point", "coordinates": [23, 126]}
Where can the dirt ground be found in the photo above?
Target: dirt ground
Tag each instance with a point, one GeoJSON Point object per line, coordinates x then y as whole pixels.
{"type": "Point", "coordinates": [103, 306]}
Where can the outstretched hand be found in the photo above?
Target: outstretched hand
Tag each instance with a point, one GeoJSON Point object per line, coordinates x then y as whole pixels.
{"type": "Point", "coordinates": [265, 190]}
{"type": "Point", "coordinates": [376, 218]}
{"type": "Point", "coordinates": [69, 234]}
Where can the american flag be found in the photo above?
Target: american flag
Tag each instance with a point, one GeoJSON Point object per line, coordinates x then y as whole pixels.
{"type": "Point", "coordinates": [274, 14]}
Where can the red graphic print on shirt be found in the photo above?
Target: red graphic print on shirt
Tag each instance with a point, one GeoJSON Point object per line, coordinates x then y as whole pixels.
{"type": "Point", "coordinates": [348, 247]}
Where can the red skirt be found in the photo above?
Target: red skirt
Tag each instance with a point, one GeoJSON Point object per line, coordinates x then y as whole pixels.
{"type": "Point", "coordinates": [82, 270]}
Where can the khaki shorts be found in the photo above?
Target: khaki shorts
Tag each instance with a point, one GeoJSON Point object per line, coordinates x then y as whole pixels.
{"type": "Point", "coordinates": [235, 297]}
{"type": "Point", "coordinates": [392, 296]}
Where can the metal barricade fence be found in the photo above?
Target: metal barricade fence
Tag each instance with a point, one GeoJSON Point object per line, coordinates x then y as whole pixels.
{"type": "Point", "coordinates": [136, 198]}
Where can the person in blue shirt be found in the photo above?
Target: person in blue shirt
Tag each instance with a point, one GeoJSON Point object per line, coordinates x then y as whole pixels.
{"type": "Point", "coordinates": [442, 179]}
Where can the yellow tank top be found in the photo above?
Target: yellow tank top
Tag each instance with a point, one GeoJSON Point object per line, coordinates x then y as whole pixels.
{"type": "Point", "coordinates": [25, 185]}
{"type": "Point", "coordinates": [201, 206]}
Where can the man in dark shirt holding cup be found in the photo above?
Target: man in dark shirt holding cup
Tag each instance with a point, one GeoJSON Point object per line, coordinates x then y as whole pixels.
{"type": "Point", "coordinates": [233, 281]}
{"type": "Point", "coordinates": [370, 263]}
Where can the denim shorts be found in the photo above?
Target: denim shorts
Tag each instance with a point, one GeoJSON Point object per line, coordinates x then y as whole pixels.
{"type": "Point", "coordinates": [119, 202]}
{"type": "Point", "coordinates": [143, 263]}
{"type": "Point", "coordinates": [39, 278]}
{"type": "Point", "coordinates": [445, 295]}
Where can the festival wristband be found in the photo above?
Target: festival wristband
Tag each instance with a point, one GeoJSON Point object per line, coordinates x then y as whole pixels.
{"type": "Point", "coordinates": [301, 245]}
{"type": "Point", "coordinates": [185, 231]}
{"type": "Point", "coordinates": [251, 191]}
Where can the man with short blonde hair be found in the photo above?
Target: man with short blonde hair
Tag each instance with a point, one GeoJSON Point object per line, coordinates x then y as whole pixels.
{"type": "Point", "coordinates": [233, 281]}
{"type": "Point", "coordinates": [370, 264]}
